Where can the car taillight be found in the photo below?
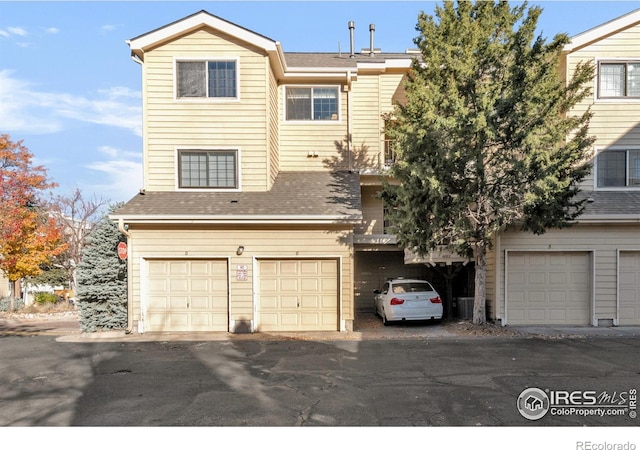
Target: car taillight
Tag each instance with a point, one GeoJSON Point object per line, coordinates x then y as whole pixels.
{"type": "Point", "coordinates": [436, 300]}
{"type": "Point", "coordinates": [396, 301]}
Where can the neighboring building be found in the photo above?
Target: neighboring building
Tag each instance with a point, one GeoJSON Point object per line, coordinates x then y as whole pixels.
{"type": "Point", "coordinates": [261, 171]}
{"type": "Point", "coordinates": [589, 273]}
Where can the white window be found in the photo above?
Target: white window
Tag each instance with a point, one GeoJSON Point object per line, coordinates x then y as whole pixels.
{"type": "Point", "coordinates": [618, 168]}
{"type": "Point", "coordinates": [208, 169]}
{"type": "Point", "coordinates": [619, 79]}
{"type": "Point", "coordinates": [206, 79]}
{"type": "Point", "coordinates": [312, 103]}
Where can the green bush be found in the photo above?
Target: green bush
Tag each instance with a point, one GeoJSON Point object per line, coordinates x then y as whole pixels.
{"type": "Point", "coordinates": [43, 298]}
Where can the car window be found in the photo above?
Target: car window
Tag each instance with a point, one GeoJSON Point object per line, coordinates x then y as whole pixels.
{"type": "Point", "coordinates": [399, 288]}
{"type": "Point", "coordinates": [385, 289]}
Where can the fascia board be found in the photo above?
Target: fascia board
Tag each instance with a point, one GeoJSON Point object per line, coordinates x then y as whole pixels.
{"type": "Point", "coordinates": [603, 30]}
{"type": "Point", "coordinates": [194, 22]}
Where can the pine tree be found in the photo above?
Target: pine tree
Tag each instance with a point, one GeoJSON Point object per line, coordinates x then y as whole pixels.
{"type": "Point", "coordinates": [485, 140]}
{"type": "Point", "coordinates": [102, 280]}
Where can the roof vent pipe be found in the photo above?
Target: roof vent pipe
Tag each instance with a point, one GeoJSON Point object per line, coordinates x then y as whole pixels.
{"type": "Point", "coordinates": [352, 26]}
{"type": "Point", "coordinates": [372, 29]}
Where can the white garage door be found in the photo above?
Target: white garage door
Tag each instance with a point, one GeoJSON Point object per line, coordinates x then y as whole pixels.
{"type": "Point", "coordinates": [629, 288]}
{"type": "Point", "coordinates": [298, 295]}
{"type": "Point", "coordinates": [548, 288]}
{"type": "Point", "coordinates": [187, 295]}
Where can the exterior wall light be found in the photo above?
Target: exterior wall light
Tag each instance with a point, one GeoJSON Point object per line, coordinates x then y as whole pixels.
{"type": "Point", "coordinates": [240, 250]}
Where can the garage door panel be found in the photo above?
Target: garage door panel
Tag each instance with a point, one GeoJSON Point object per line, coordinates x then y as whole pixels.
{"type": "Point", "coordinates": [301, 295]}
{"type": "Point", "coordinates": [178, 285]}
{"type": "Point", "coordinates": [187, 295]}
{"type": "Point", "coordinates": [548, 288]}
{"type": "Point", "coordinates": [289, 285]}
{"type": "Point", "coordinates": [309, 284]}
{"type": "Point", "coordinates": [310, 301]}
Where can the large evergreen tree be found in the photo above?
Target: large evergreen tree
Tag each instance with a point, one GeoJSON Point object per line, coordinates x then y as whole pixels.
{"type": "Point", "coordinates": [485, 140]}
{"type": "Point", "coordinates": [102, 280]}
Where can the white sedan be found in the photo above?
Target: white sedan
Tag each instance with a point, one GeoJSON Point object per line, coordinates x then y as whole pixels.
{"type": "Point", "coordinates": [403, 299]}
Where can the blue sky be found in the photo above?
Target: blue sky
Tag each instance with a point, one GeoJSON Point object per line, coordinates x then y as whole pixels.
{"type": "Point", "coordinates": [70, 91]}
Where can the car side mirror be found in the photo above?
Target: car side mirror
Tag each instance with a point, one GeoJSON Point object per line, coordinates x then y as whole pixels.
{"type": "Point", "coordinates": [377, 291]}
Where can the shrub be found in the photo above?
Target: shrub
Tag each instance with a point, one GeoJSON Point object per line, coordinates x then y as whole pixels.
{"type": "Point", "coordinates": [42, 298]}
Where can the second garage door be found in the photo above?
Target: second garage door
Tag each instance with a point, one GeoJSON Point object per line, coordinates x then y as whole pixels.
{"type": "Point", "coordinates": [629, 288]}
{"type": "Point", "coordinates": [548, 288]}
{"type": "Point", "coordinates": [298, 295]}
{"type": "Point", "coordinates": [187, 295]}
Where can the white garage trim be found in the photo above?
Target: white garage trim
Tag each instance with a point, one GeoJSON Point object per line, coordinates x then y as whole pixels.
{"type": "Point", "coordinates": [144, 281]}
{"type": "Point", "coordinates": [592, 259]}
{"type": "Point", "coordinates": [619, 251]}
{"type": "Point", "coordinates": [256, 283]}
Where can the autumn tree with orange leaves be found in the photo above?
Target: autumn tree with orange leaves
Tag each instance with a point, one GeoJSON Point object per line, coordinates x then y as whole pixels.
{"type": "Point", "coordinates": [29, 237]}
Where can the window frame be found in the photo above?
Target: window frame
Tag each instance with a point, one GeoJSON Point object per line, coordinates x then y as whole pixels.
{"type": "Point", "coordinates": [205, 60]}
{"type": "Point", "coordinates": [199, 149]}
{"type": "Point", "coordinates": [597, 79]}
{"type": "Point", "coordinates": [312, 120]}
{"type": "Point", "coordinates": [627, 150]}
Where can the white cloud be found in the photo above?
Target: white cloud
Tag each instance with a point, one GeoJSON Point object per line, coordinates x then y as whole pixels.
{"type": "Point", "coordinates": [110, 27]}
{"type": "Point", "coordinates": [123, 178]}
{"type": "Point", "coordinates": [52, 30]}
{"type": "Point", "coordinates": [17, 31]}
{"type": "Point", "coordinates": [25, 108]}
{"type": "Point", "coordinates": [4, 33]}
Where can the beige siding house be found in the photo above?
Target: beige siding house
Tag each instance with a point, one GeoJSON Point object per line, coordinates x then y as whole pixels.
{"type": "Point", "coordinates": [587, 274]}
{"type": "Point", "coordinates": [259, 210]}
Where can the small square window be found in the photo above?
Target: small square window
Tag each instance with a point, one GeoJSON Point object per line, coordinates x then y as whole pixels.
{"type": "Point", "coordinates": [312, 103]}
{"type": "Point", "coordinates": [619, 79]}
{"type": "Point", "coordinates": [208, 169]}
{"type": "Point", "coordinates": [213, 79]}
{"type": "Point", "coordinates": [618, 168]}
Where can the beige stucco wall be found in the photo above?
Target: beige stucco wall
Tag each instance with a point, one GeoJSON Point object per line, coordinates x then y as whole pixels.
{"type": "Point", "coordinates": [218, 242]}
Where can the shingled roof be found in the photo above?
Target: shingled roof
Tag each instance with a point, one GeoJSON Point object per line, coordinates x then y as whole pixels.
{"type": "Point", "coordinates": [610, 205]}
{"type": "Point", "coordinates": [304, 196]}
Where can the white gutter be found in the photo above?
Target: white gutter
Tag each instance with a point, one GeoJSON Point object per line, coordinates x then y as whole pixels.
{"type": "Point", "coordinates": [326, 220]}
{"type": "Point", "coordinates": [609, 218]}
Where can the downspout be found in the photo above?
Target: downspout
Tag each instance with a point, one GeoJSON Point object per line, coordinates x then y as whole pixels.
{"type": "Point", "coordinates": [122, 228]}
{"type": "Point", "coordinates": [349, 122]}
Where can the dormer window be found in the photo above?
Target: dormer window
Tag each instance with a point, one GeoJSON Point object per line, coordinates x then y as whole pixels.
{"type": "Point", "coordinates": [619, 79]}
{"type": "Point", "coordinates": [312, 103]}
{"type": "Point", "coordinates": [207, 79]}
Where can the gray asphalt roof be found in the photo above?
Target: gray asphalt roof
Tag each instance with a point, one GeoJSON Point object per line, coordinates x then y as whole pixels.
{"type": "Point", "coordinates": [611, 203]}
{"type": "Point", "coordinates": [338, 60]}
{"type": "Point", "coordinates": [330, 194]}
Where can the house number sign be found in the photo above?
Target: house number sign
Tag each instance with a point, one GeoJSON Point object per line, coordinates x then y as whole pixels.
{"type": "Point", "coordinates": [242, 273]}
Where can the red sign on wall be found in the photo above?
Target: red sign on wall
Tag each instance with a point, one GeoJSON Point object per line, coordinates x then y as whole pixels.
{"type": "Point", "coordinates": [122, 250]}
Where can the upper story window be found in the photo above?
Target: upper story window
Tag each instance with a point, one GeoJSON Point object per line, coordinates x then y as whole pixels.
{"type": "Point", "coordinates": [208, 169]}
{"type": "Point", "coordinates": [620, 79]}
{"type": "Point", "coordinates": [618, 168]}
{"type": "Point", "coordinates": [312, 103]}
{"type": "Point", "coordinates": [207, 79]}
